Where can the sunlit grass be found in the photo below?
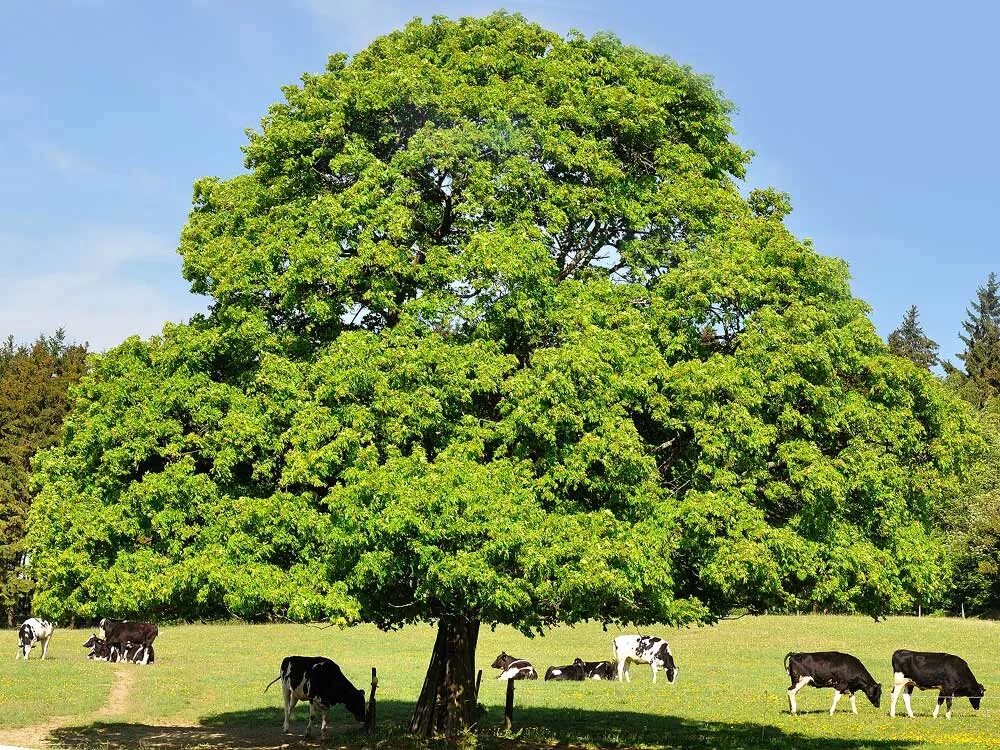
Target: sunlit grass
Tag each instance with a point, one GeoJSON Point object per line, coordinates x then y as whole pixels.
{"type": "Point", "coordinates": [730, 691]}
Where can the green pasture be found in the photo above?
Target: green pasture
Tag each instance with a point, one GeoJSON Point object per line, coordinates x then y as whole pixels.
{"type": "Point", "coordinates": [206, 688]}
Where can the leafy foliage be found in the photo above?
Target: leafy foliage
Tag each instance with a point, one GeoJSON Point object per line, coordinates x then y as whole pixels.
{"type": "Point", "coordinates": [495, 336]}
{"type": "Point", "coordinates": [33, 402]}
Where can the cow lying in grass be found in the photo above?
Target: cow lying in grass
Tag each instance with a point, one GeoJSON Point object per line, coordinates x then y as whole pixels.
{"type": "Point", "coordinates": [582, 670]}
{"type": "Point", "coordinates": [133, 653]}
{"type": "Point", "coordinates": [512, 668]}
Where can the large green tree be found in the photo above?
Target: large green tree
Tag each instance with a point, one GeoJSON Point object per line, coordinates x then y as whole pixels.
{"type": "Point", "coordinates": [496, 340]}
{"type": "Point", "coordinates": [973, 522]}
{"type": "Point", "coordinates": [34, 380]}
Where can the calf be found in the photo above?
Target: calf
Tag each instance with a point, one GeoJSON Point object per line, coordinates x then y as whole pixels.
{"type": "Point", "coordinates": [574, 671]}
{"type": "Point", "coordinates": [512, 668]}
{"type": "Point", "coordinates": [644, 649]}
{"type": "Point", "coordinates": [597, 670]}
{"type": "Point", "coordinates": [122, 632]}
{"type": "Point", "coordinates": [822, 669]}
{"type": "Point", "coordinates": [99, 648]}
{"type": "Point", "coordinates": [928, 671]}
{"type": "Point", "coordinates": [318, 680]}
{"type": "Point", "coordinates": [133, 653]}
{"type": "Point", "coordinates": [33, 631]}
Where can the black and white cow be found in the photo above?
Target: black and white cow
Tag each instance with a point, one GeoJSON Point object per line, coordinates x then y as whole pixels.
{"type": "Point", "coordinates": [512, 668]}
{"type": "Point", "coordinates": [122, 632]}
{"type": "Point", "coordinates": [33, 631]}
{"type": "Point", "coordinates": [133, 653]}
{"type": "Point", "coordinates": [644, 649]}
{"type": "Point", "coordinates": [99, 649]}
{"type": "Point", "coordinates": [574, 671]}
{"type": "Point", "coordinates": [831, 669]}
{"type": "Point", "coordinates": [597, 670]}
{"type": "Point", "coordinates": [947, 673]}
{"type": "Point", "coordinates": [319, 681]}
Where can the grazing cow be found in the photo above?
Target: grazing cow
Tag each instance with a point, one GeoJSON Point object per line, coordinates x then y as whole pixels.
{"type": "Point", "coordinates": [644, 649]}
{"type": "Point", "coordinates": [512, 668]}
{"type": "Point", "coordinates": [572, 671]}
{"type": "Point", "coordinates": [597, 670]}
{"type": "Point", "coordinates": [928, 671]}
{"type": "Point", "coordinates": [831, 669]}
{"type": "Point", "coordinates": [318, 680]}
{"type": "Point", "coordinates": [33, 631]}
{"type": "Point", "coordinates": [122, 632]}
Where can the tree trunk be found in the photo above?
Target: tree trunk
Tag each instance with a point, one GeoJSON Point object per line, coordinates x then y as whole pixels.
{"type": "Point", "coordinates": [447, 703]}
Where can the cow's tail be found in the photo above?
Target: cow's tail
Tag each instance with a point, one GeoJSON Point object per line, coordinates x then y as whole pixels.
{"type": "Point", "coordinates": [788, 656]}
{"type": "Point", "coordinates": [272, 682]}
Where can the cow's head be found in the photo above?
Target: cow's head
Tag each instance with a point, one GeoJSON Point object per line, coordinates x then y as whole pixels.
{"type": "Point", "coordinates": [874, 693]}
{"type": "Point", "coordinates": [667, 660]}
{"type": "Point", "coordinates": [355, 703]}
{"type": "Point", "coordinates": [25, 640]}
{"type": "Point", "coordinates": [977, 695]}
{"type": "Point", "coordinates": [501, 661]}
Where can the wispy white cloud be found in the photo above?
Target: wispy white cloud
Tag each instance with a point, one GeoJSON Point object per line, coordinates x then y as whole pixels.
{"type": "Point", "coordinates": [79, 169]}
{"type": "Point", "coordinates": [101, 285]}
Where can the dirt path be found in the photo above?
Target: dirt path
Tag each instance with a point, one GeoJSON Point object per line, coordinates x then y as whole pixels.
{"type": "Point", "coordinates": [118, 696]}
{"type": "Point", "coordinates": [38, 735]}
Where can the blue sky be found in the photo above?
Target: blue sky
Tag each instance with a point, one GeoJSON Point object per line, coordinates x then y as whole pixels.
{"type": "Point", "coordinates": [878, 118]}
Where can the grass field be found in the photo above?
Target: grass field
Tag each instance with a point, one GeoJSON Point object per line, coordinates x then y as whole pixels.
{"type": "Point", "coordinates": [205, 689]}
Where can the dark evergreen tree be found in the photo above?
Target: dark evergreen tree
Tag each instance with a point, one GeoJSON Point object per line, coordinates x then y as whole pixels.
{"type": "Point", "coordinates": [982, 340]}
{"type": "Point", "coordinates": [34, 383]}
{"type": "Point", "coordinates": [910, 341]}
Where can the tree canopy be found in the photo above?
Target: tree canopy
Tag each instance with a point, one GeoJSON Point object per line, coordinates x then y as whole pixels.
{"type": "Point", "coordinates": [496, 338]}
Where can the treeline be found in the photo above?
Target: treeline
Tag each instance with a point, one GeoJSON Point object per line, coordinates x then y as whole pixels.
{"type": "Point", "coordinates": [972, 522]}
{"type": "Point", "coordinates": [34, 401]}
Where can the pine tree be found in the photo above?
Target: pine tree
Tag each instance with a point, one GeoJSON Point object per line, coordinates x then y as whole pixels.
{"type": "Point", "coordinates": [34, 400]}
{"type": "Point", "coordinates": [910, 341]}
{"type": "Point", "coordinates": [982, 339]}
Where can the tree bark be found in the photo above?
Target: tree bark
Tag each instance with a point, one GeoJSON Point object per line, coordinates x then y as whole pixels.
{"type": "Point", "coordinates": [447, 702]}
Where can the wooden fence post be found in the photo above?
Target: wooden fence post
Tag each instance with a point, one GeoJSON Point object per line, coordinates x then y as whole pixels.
{"type": "Point", "coordinates": [508, 708]}
{"type": "Point", "coordinates": [479, 681]}
{"type": "Point", "coordinates": [370, 713]}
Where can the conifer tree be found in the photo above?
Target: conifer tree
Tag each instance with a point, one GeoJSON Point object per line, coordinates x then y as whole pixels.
{"type": "Point", "coordinates": [910, 341]}
{"type": "Point", "coordinates": [982, 339]}
{"type": "Point", "coordinates": [34, 381]}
